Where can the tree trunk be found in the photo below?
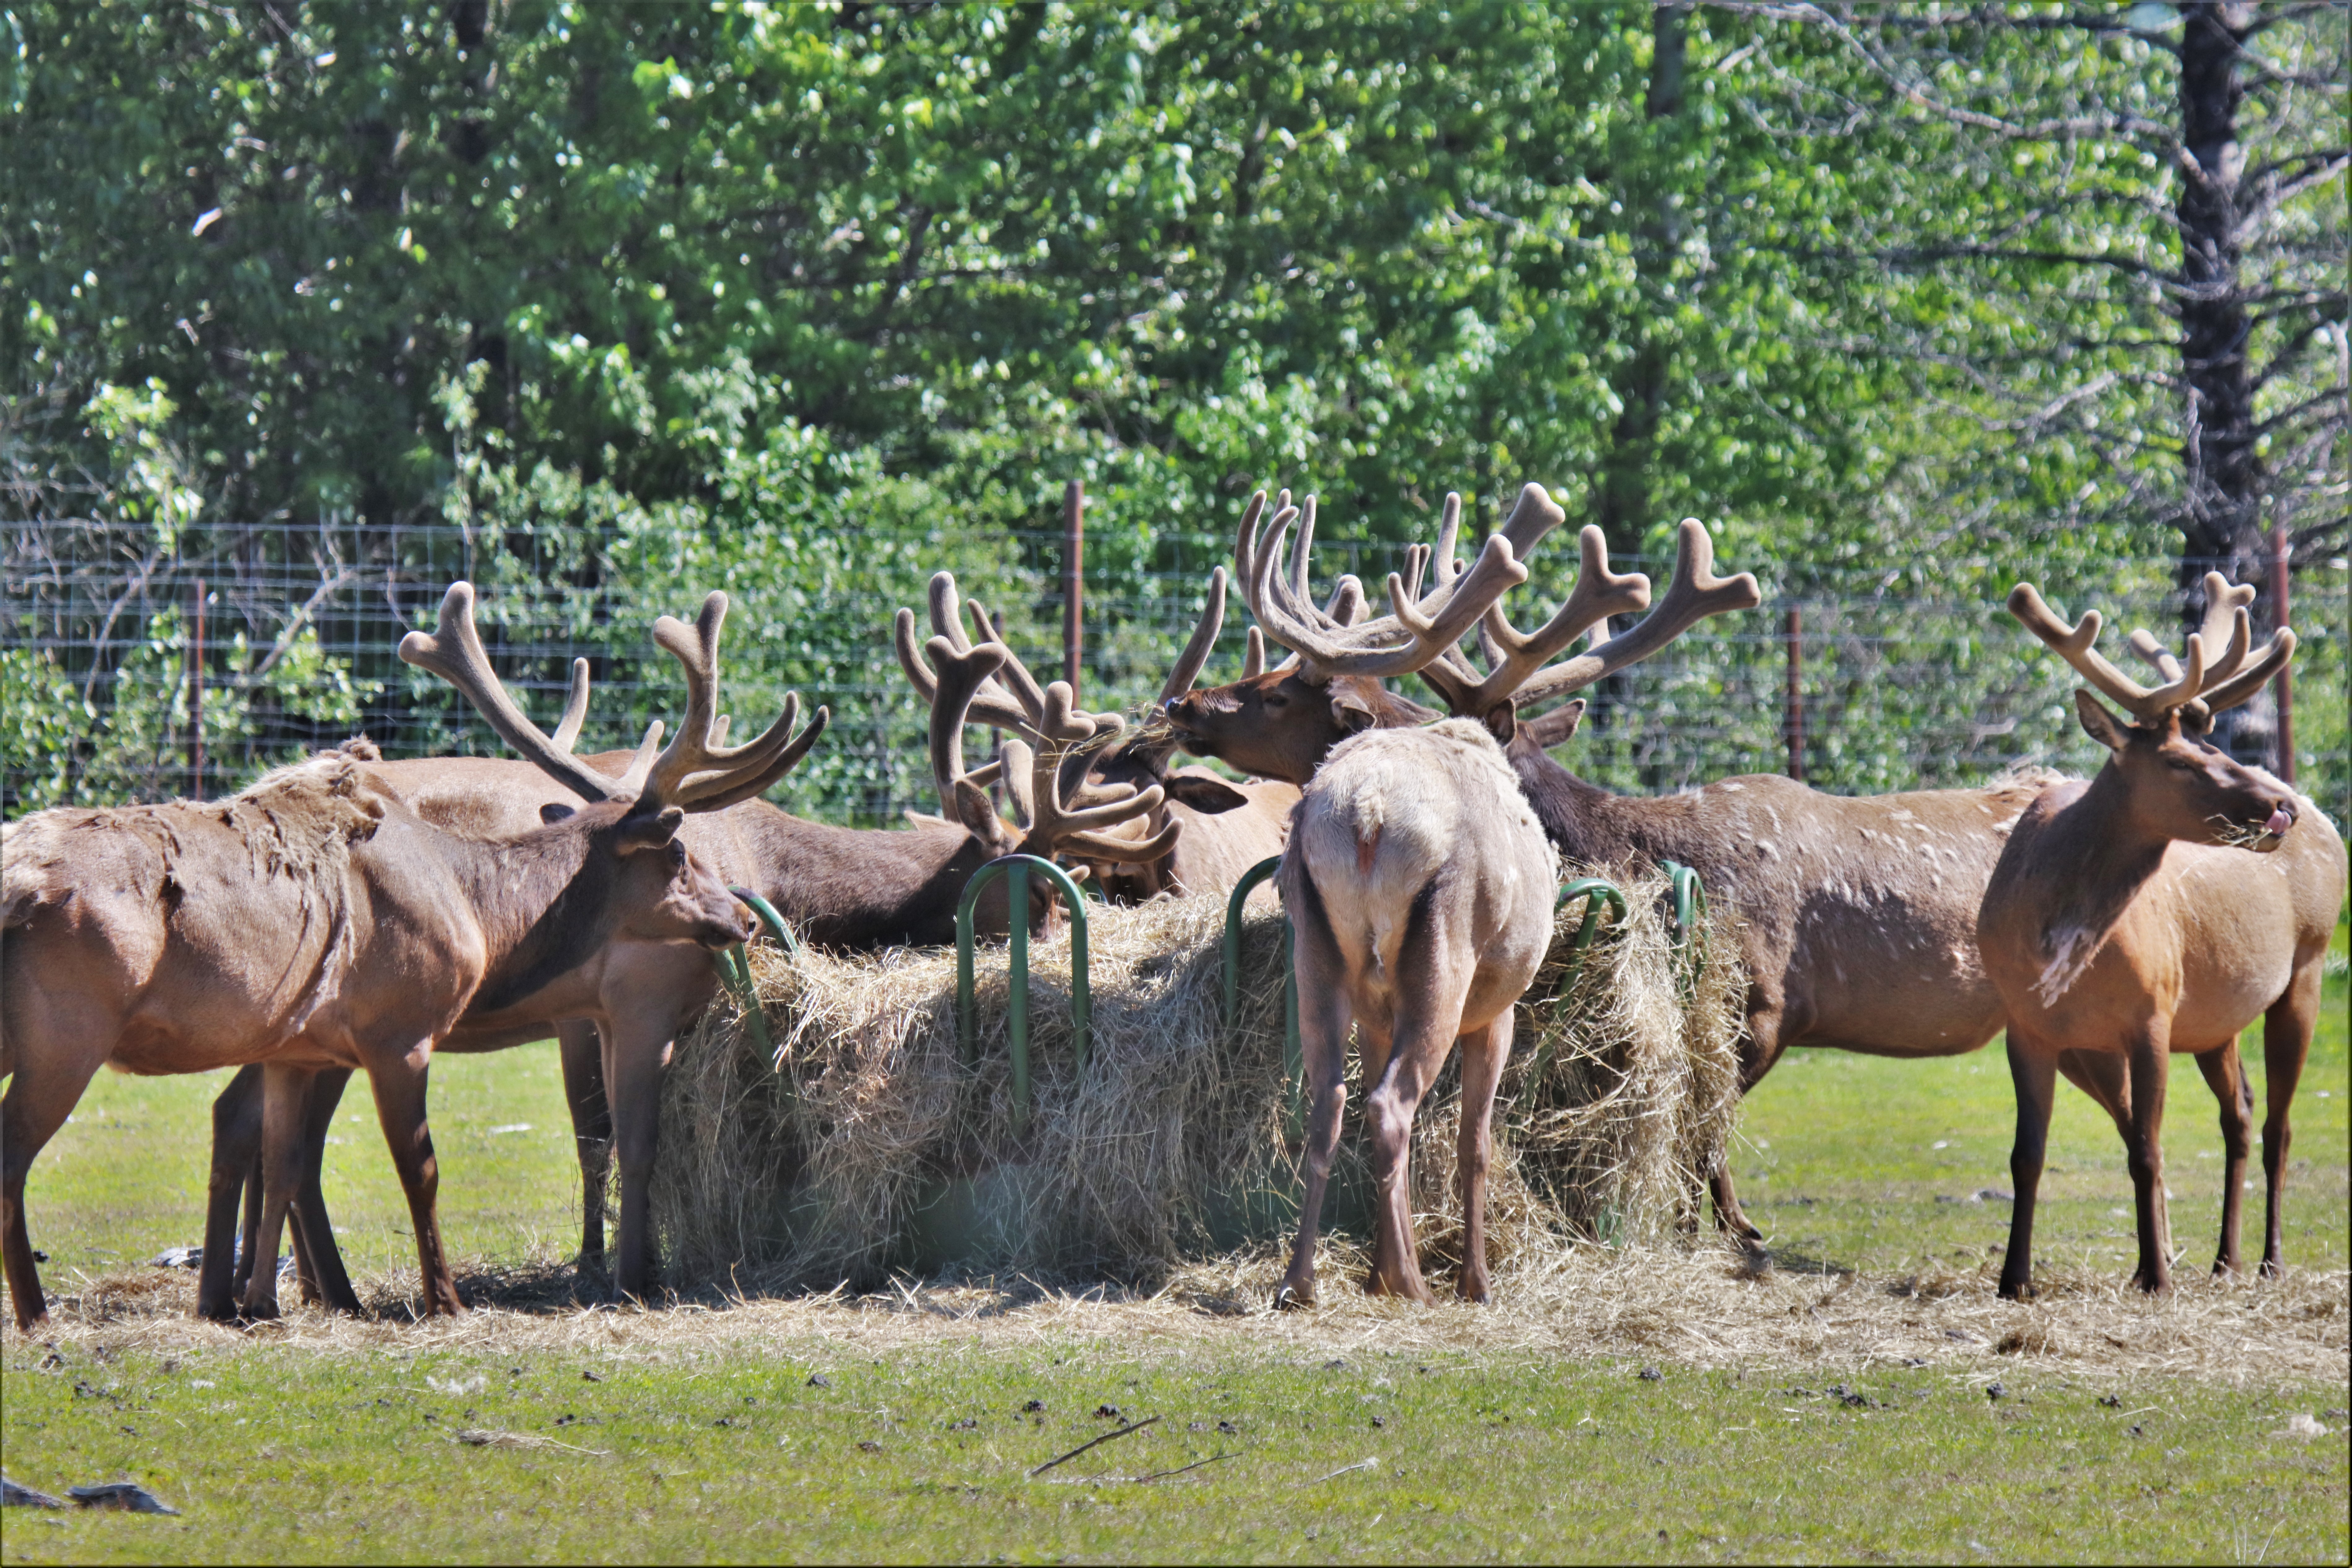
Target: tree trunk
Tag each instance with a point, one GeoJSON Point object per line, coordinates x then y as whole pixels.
{"type": "Point", "coordinates": [1640, 385]}
{"type": "Point", "coordinates": [2221, 525]}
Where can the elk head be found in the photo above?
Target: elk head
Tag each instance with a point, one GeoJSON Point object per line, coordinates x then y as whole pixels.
{"type": "Point", "coordinates": [1281, 722]}
{"type": "Point", "coordinates": [2176, 783]}
{"type": "Point", "coordinates": [1518, 674]}
{"type": "Point", "coordinates": [1042, 767]}
{"type": "Point", "coordinates": [664, 892]}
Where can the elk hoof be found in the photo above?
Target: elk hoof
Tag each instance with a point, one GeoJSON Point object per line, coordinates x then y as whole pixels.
{"type": "Point", "coordinates": [2270, 1269]}
{"type": "Point", "coordinates": [1293, 1299]}
{"type": "Point", "coordinates": [2016, 1290]}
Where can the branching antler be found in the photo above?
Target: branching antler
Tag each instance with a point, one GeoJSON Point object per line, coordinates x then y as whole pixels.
{"type": "Point", "coordinates": [696, 772]}
{"type": "Point", "coordinates": [991, 704]}
{"type": "Point", "coordinates": [454, 651]}
{"type": "Point", "coordinates": [1045, 787]}
{"type": "Point", "coordinates": [2192, 686]}
{"type": "Point", "coordinates": [962, 674]}
{"type": "Point", "coordinates": [1417, 630]}
{"type": "Point", "coordinates": [1518, 659]}
{"type": "Point", "coordinates": [2229, 679]}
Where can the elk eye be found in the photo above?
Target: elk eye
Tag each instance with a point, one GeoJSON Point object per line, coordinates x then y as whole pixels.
{"type": "Point", "coordinates": [1276, 700]}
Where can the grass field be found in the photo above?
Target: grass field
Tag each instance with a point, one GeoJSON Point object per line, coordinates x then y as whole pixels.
{"type": "Point", "coordinates": [898, 1426]}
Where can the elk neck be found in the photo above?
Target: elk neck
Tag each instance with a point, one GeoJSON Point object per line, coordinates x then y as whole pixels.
{"type": "Point", "coordinates": [2093, 856]}
{"type": "Point", "coordinates": [853, 887]}
{"type": "Point", "coordinates": [1582, 820]}
{"type": "Point", "coordinates": [544, 898]}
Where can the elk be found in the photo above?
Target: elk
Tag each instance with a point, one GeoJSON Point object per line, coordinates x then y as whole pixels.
{"type": "Point", "coordinates": [315, 921]}
{"type": "Point", "coordinates": [1222, 829]}
{"type": "Point", "coordinates": [915, 878]}
{"type": "Point", "coordinates": [1856, 916]}
{"type": "Point", "coordinates": [1420, 888]}
{"type": "Point", "coordinates": [2159, 909]}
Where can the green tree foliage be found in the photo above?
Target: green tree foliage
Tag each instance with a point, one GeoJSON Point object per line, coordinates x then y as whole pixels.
{"type": "Point", "coordinates": [635, 300]}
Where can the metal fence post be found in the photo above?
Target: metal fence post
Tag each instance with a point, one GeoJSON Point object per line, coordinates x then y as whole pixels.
{"type": "Point", "coordinates": [1690, 920]}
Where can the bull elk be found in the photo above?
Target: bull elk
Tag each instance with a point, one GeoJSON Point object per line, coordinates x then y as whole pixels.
{"type": "Point", "coordinates": [316, 921]}
{"type": "Point", "coordinates": [1200, 835]}
{"type": "Point", "coordinates": [1420, 888]}
{"type": "Point", "coordinates": [1856, 915]}
{"type": "Point", "coordinates": [615, 1018]}
{"type": "Point", "coordinates": [2159, 909]}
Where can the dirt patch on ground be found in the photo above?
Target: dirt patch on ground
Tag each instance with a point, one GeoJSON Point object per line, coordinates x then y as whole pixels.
{"type": "Point", "coordinates": [1703, 1307]}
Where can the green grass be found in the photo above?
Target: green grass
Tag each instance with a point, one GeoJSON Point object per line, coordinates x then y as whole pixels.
{"type": "Point", "coordinates": [734, 1455]}
{"type": "Point", "coordinates": [718, 1445]}
{"type": "Point", "coordinates": [1854, 1158]}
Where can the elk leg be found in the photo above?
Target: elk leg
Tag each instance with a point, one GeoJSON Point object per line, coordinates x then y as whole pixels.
{"type": "Point", "coordinates": [316, 1256]}
{"type": "Point", "coordinates": [1432, 983]}
{"type": "Point", "coordinates": [1389, 1111]}
{"type": "Point", "coordinates": [2286, 1044]}
{"type": "Point", "coordinates": [236, 1155]}
{"type": "Point", "coordinates": [2144, 1151]}
{"type": "Point", "coordinates": [1483, 1052]}
{"type": "Point", "coordinates": [1761, 1046]}
{"type": "Point", "coordinates": [2034, 1074]}
{"type": "Point", "coordinates": [37, 1105]}
{"type": "Point", "coordinates": [2225, 1076]}
{"type": "Point", "coordinates": [284, 1099]}
{"type": "Point", "coordinates": [250, 1237]}
{"type": "Point", "coordinates": [1323, 1019]}
{"type": "Point", "coordinates": [399, 1089]}
{"type": "Point", "coordinates": [2104, 1077]}
{"type": "Point", "coordinates": [633, 1064]}
{"type": "Point", "coordinates": [591, 1133]}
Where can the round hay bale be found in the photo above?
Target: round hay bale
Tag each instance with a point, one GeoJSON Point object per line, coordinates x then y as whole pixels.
{"type": "Point", "coordinates": [866, 1146]}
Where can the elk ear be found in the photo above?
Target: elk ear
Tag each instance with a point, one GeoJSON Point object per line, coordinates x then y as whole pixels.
{"type": "Point", "coordinates": [1351, 712]}
{"type": "Point", "coordinates": [653, 832]}
{"type": "Point", "coordinates": [555, 811]}
{"type": "Point", "coordinates": [1503, 722]}
{"type": "Point", "coordinates": [975, 812]}
{"type": "Point", "coordinates": [2098, 723]}
{"type": "Point", "coordinates": [1206, 795]}
{"type": "Point", "coordinates": [1556, 728]}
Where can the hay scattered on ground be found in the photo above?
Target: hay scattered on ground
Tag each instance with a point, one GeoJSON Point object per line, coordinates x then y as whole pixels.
{"type": "Point", "coordinates": [869, 1145]}
{"type": "Point", "coordinates": [1702, 1307]}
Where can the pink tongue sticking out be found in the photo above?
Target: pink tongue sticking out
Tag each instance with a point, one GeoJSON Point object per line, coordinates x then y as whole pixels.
{"type": "Point", "coordinates": [2278, 824]}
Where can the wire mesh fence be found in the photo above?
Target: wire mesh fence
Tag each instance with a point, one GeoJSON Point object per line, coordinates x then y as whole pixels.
{"type": "Point", "coordinates": [134, 672]}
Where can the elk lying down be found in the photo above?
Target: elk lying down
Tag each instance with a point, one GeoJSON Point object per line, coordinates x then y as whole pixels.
{"type": "Point", "coordinates": [1420, 886]}
{"type": "Point", "coordinates": [2160, 909]}
{"type": "Point", "coordinates": [316, 921]}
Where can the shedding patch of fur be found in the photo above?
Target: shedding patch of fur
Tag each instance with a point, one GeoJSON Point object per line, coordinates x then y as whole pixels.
{"type": "Point", "coordinates": [2068, 952]}
{"type": "Point", "coordinates": [297, 824]}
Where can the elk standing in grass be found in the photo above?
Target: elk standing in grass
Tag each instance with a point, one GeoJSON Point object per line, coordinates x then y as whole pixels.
{"type": "Point", "coordinates": [314, 921]}
{"type": "Point", "coordinates": [2158, 910]}
{"type": "Point", "coordinates": [1856, 916]}
{"type": "Point", "coordinates": [1419, 889]}
{"type": "Point", "coordinates": [912, 879]}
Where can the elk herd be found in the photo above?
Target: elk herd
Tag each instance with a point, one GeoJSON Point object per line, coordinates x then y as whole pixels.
{"type": "Point", "coordinates": [354, 913]}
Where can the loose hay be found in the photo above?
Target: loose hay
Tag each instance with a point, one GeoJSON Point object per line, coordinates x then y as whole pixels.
{"type": "Point", "coordinates": [868, 1144]}
{"type": "Point", "coordinates": [1699, 1306]}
